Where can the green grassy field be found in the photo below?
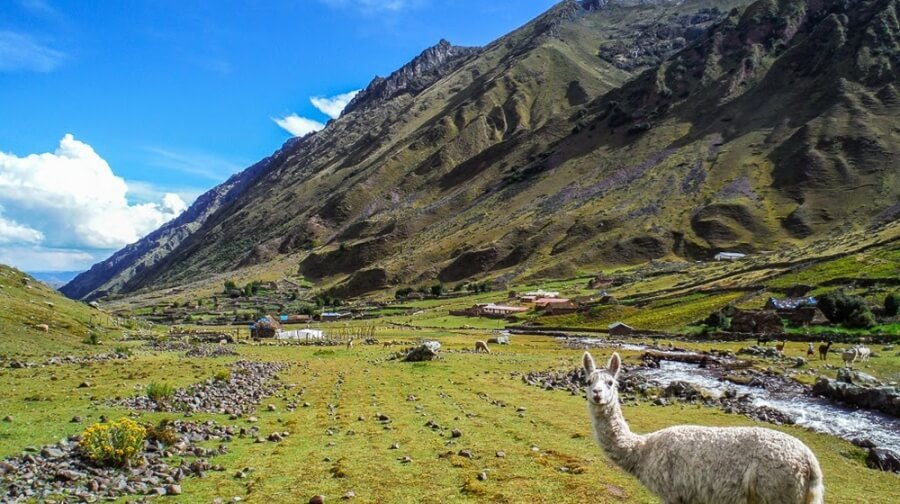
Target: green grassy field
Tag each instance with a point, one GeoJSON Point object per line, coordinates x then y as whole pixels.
{"type": "Point", "coordinates": [550, 455]}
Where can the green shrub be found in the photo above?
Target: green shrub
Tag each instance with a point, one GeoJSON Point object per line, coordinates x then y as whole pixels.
{"type": "Point", "coordinates": [222, 375]}
{"type": "Point", "coordinates": [892, 304]}
{"type": "Point", "coordinates": [861, 319]}
{"type": "Point", "coordinates": [92, 339]}
{"type": "Point", "coordinates": [163, 433]}
{"type": "Point", "coordinates": [160, 392]}
{"type": "Point", "coordinates": [116, 444]}
{"type": "Point", "coordinates": [123, 350]}
{"type": "Point", "coordinates": [839, 307]}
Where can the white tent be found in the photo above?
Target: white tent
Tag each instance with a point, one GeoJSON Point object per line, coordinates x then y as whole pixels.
{"type": "Point", "coordinates": [302, 335]}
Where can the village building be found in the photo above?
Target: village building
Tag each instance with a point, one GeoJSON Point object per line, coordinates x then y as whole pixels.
{"type": "Point", "coordinates": [757, 322]}
{"type": "Point", "coordinates": [563, 308]}
{"type": "Point", "coordinates": [798, 311]}
{"type": "Point", "coordinates": [729, 256]}
{"type": "Point", "coordinates": [489, 310]}
{"type": "Point", "coordinates": [264, 328]}
{"type": "Point", "coordinates": [620, 329]}
{"type": "Point", "coordinates": [545, 302]}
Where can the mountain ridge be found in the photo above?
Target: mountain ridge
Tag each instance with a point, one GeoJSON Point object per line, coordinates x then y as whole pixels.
{"type": "Point", "coordinates": [540, 153]}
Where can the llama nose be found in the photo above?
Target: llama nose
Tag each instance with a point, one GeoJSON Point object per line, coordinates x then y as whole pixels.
{"type": "Point", "coordinates": [597, 396]}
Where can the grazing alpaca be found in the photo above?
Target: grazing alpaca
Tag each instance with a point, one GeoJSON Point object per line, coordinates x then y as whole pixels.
{"type": "Point", "coordinates": [481, 346]}
{"type": "Point", "coordinates": [761, 340]}
{"type": "Point", "coordinates": [863, 353]}
{"type": "Point", "coordinates": [349, 343]}
{"type": "Point", "coordinates": [702, 465]}
{"type": "Point", "coordinates": [809, 351]}
{"type": "Point", "coordinates": [823, 350]}
{"type": "Point", "coordinates": [780, 346]}
{"type": "Point", "coordinates": [849, 356]}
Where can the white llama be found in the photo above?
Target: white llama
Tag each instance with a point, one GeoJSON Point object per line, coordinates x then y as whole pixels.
{"type": "Point", "coordinates": [702, 465]}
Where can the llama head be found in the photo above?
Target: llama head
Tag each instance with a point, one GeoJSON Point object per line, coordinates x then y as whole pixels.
{"type": "Point", "coordinates": [602, 382]}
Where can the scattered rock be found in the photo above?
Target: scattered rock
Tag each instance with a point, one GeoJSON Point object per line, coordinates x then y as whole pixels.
{"type": "Point", "coordinates": [482, 476]}
{"type": "Point", "coordinates": [456, 433]}
{"type": "Point", "coordinates": [317, 499]}
{"type": "Point", "coordinates": [884, 460]}
{"type": "Point", "coordinates": [501, 454]}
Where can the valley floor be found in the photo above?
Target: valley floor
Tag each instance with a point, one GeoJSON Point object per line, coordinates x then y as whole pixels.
{"type": "Point", "coordinates": [338, 444]}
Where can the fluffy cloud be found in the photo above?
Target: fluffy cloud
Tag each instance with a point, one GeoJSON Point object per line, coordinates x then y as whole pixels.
{"type": "Point", "coordinates": [298, 126]}
{"type": "Point", "coordinates": [332, 107]}
{"type": "Point", "coordinates": [19, 52]}
{"type": "Point", "coordinates": [43, 259]}
{"type": "Point", "coordinates": [71, 199]}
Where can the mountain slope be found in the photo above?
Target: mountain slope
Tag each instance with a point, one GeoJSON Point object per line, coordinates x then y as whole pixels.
{"type": "Point", "coordinates": [561, 146]}
{"type": "Point", "coordinates": [26, 303]}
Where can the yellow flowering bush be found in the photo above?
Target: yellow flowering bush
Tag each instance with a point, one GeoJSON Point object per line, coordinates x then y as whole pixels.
{"type": "Point", "coordinates": [115, 444]}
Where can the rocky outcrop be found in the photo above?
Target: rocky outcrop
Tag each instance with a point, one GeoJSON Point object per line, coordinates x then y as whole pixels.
{"type": "Point", "coordinates": [885, 399]}
{"type": "Point", "coordinates": [414, 77]}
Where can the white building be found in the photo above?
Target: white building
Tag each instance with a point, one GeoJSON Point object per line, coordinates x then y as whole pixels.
{"type": "Point", "coordinates": [729, 256]}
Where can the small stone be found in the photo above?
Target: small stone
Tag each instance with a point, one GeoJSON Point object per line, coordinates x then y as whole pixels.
{"type": "Point", "coordinates": [76, 419]}
{"type": "Point", "coordinates": [501, 454]}
{"type": "Point", "coordinates": [349, 495]}
{"type": "Point", "coordinates": [361, 418]}
{"type": "Point", "coordinates": [395, 446]}
{"type": "Point", "coordinates": [271, 407]}
{"type": "Point", "coordinates": [84, 384]}
{"type": "Point", "coordinates": [456, 433]}
{"type": "Point", "coordinates": [306, 405]}
{"type": "Point", "coordinates": [465, 453]}
{"type": "Point", "coordinates": [173, 490]}
{"type": "Point", "coordinates": [317, 499]}
{"type": "Point", "coordinates": [253, 419]}
{"type": "Point", "coordinates": [406, 459]}
{"type": "Point", "coordinates": [7, 419]}
{"type": "Point", "coordinates": [482, 476]}
{"type": "Point", "coordinates": [521, 409]}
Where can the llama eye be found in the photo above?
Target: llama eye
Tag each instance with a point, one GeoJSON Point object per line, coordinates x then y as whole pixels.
{"type": "Point", "coordinates": [610, 383]}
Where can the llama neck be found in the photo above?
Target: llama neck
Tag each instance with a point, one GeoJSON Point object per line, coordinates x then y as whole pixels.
{"type": "Point", "coordinates": [614, 436]}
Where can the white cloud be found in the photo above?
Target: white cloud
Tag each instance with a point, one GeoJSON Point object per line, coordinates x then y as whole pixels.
{"type": "Point", "coordinates": [74, 200]}
{"type": "Point", "coordinates": [19, 52]}
{"type": "Point", "coordinates": [298, 126]}
{"type": "Point", "coordinates": [43, 259]}
{"type": "Point", "coordinates": [12, 232]}
{"type": "Point", "coordinates": [332, 107]}
{"type": "Point", "coordinates": [147, 192]}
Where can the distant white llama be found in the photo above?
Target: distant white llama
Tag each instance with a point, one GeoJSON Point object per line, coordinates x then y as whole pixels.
{"type": "Point", "coordinates": [863, 353]}
{"type": "Point", "coordinates": [850, 356]}
{"type": "Point", "coordinates": [702, 465]}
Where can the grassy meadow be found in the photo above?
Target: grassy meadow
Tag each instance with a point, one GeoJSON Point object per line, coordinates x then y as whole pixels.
{"type": "Point", "coordinates": [549, 453]}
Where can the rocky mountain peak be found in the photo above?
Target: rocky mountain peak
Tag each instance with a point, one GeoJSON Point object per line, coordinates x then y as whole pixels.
{"type": "Point", "coordinates": [414, 77]}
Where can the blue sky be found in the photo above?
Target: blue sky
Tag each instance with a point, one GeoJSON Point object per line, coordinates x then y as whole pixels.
{"type": "Point", "coordinates": [165, 99]}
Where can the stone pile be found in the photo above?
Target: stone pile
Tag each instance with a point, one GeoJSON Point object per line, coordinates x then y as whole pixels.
{"type": "Point", "coordinates": [62, 470]}
{"type": "Point", "coordinates": [64, 360]}
{"type": "Point", "coordinates": [211, 351]}
{"type": "Point", "coordinates": [860, 390]}
{"type": "Point", "coordinates": [249, 384]}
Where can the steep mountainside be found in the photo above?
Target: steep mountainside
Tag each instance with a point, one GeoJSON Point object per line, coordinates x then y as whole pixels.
{"type": "Point", "coordinates": [546, 152]}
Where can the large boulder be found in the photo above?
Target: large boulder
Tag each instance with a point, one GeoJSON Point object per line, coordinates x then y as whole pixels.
{"type": "Point", "coordinates": [883, 459]}
{"type": "Point", "coordinates": [427, 351]}
{"type": "Point", "coordinates": [885, 399]}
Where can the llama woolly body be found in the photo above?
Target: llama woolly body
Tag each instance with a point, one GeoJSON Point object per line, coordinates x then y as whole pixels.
{"type": "Point", "coordinates": [709, 465]}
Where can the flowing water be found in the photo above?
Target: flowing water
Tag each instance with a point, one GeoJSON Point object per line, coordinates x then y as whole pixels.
{"type": "Point", "coordinates": [815, 413]}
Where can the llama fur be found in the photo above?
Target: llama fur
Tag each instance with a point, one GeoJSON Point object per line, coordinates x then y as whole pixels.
{"type": "Point", "coordinates": [823, 350]}
{"type": "Point", "coordinates": [481, 346]}
{"type": "Point", "coordinates": [849, 356]}
{"type": "Point", "coordinates": [702, 465]}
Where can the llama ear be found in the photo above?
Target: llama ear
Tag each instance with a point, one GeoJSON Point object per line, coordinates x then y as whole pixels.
{"type": "Point", "coordinates": [614, 365]}
{"type": "Point", "coordinates": [589, 365]}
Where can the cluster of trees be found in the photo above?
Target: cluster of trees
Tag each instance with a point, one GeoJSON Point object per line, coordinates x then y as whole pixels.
{"type": "Point", "coordinates": [438, 289]}
{"type": "Point", "coordinates": [324, 301]}
{"type": "Point", "coordinates": [850, 311]}
{"type": "Point", "coordinates": [232, 290]}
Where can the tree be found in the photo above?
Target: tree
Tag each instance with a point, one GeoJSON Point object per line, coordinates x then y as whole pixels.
{"type": "Point", "coordinates": [861, 319]}
{"type": "Point", "coordinates": [230, 285]}
{"type": "Point", "coordinates": [717, 320]}
{"type": "Point", "coordinates": [892, 304]}
{"type": "Point", "coordinates": [437, 290]}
